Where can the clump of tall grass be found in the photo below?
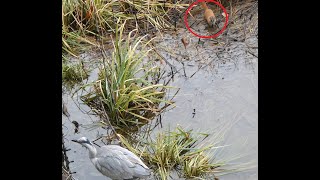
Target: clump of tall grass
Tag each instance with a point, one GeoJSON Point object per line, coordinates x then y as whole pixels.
{"type": "Point", "coordinates": [128, 88]}
{"type": "Point", "coordinates": [198, 165]}
{"type": "Point", "coordinates": [92, 17]}
{"type": "Point", "coordinates": [73, 73]}
{"type": "Point", "coordinates": [75, 42]}
{"type": "Point", "coordinates": [176, 150]}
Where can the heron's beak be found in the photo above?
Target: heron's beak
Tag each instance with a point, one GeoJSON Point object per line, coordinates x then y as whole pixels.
{"type": "Point", "coordinates": [75, 141]}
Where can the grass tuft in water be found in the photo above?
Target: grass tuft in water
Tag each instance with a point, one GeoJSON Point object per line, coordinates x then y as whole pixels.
{"type": "Point", "coordinates": [73, 74]}
{"type": "Point", "coordinates": [128, 85]}
{"type": "Point", "coordinates": [176, 150]}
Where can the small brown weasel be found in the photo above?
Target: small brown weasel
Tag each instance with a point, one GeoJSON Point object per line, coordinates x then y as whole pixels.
{"type": "Point", "coordinates": [208, 14]}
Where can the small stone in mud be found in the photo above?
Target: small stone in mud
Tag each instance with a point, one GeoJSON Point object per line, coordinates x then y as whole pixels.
{"type": "Point", "coordinates": [194, 113]}
{"type": "Point", "coordinates": [186, 57]}
{"type": "Point", "coordinates": [76, 130]}
{"type": "Point", "coordinates": [185, 42]}
{"type": "Point", "coordinates": [65, 110]}
{"type": "Point", "coordinates": [190, 64]}
{"type": "Point", "coordinates": [75, 123]}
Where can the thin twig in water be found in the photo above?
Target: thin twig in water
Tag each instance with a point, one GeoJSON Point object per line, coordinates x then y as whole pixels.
{"type": "Point", "coordinates": [196, 72]}
{"type": "Point", "coordinates": [83, 111]}
{"type": "Point", "coordinates": [160, 120]}
{"type": "Point", "coordinates": [184, 70]}
{"type": "Point", "coordinates": [154, 49]}
{"type": "Point", "coordinates": [248, 51]}
{"type": "Point", "coordinates": [108, 120]}
{"type": "Point", "coordinates": [66, 167]}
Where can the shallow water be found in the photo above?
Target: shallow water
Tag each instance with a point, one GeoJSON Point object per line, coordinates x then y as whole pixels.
{"type": "Point", "coordinates": [223, 91]}
{"type": "Point", "coordinates": [227, 95]}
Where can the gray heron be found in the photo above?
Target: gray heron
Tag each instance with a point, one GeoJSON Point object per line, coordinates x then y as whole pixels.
{"type": "Point", "coordinates": [115, 161]}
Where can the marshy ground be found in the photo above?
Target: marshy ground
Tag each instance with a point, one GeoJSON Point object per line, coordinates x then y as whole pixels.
{"type": "Point", "coordinates": [217, 83]}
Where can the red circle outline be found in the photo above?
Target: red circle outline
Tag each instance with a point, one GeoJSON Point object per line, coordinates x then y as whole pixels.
{"type": "Point", "coordinates": [214, 35]}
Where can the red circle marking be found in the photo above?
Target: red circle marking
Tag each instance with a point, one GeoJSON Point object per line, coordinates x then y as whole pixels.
{"type": "Point", "coordinates": [214, 35]}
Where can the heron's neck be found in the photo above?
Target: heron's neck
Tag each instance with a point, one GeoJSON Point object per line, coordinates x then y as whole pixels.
{"type": "Point", "coordinates": [92, 151]}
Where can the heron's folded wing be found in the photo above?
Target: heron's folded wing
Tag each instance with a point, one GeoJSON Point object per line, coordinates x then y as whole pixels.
{"type": "Point", "coordinates": [129, 161]}
{"type": "Point", "coordinates": [129, 155]}
{"type": "Point", "coordinates": [116, 163]}
{"type": "Point", "coordinates": [115, 167]}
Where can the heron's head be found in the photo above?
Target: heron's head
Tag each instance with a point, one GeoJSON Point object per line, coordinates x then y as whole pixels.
{"type": "Point", "coordinates": [83, 141]}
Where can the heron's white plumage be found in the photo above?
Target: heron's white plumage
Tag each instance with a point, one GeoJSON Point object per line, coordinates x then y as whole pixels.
{"type": "Point", "coordinates": [115, 161]}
